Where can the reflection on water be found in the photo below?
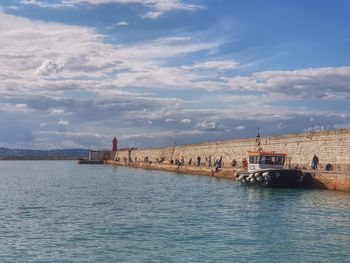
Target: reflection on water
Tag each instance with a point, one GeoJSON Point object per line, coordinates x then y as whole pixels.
{"type": "Point", "coordinates": [57, 211]}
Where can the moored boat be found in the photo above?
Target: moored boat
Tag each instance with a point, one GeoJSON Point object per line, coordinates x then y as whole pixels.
{"type": "Point", "coordinates": [265, 168]}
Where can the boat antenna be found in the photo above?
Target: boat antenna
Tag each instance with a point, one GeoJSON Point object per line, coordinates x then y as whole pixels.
{"type": "Point", "coordinates": [258, 142]}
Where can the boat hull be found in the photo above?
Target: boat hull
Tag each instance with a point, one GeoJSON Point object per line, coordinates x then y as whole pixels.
{"type": "Point", "coordinates": [289, 178]}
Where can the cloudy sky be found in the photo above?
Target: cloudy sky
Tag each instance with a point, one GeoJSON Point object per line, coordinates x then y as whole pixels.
{"type": "Point", "coordinates": [75, 73]}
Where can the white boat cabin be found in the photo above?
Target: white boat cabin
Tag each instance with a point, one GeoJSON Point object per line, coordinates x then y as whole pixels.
{"type": "Point", "coordinates": [263, 160]}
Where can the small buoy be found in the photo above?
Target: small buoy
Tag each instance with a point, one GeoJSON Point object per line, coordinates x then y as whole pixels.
{"type": "Point", "coordinates": [242, 176]}
{"type": "Point", "coordinates": [267, 176]}
{"type": "Point", "coordinates": [260, 179]}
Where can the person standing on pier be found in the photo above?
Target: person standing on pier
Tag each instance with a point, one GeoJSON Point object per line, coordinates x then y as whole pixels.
{"type": "Point", "coordinates": [314, 163]}
{"type": "Point", "coordinates": [198, 161]}
{"type": "Point", "coordinates": [234, 163]}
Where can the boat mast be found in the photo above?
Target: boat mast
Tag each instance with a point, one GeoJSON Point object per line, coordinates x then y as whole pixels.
{"type": "Point", "coordinates": [258, 142]}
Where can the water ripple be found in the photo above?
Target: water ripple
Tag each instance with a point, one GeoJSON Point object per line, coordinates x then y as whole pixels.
{"type": "Point", "coordinates": [62, 212]}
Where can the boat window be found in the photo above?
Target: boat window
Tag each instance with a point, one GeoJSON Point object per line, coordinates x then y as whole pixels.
{"type": "Point", "coordinates": [253, 159]}
{"type": "Point", "coordinates": [282, 160]}
{"type": "Point", "coordinates": [279, 160]}
{"type": "Point", "coordinates": [266, 160]}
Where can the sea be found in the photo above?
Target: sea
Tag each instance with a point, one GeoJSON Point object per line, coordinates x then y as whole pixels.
{"type": "Point", "coordinates": [59, 211]}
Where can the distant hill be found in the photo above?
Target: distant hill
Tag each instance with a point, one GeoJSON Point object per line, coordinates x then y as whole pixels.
{"type": "Point", "coordinates": [6, 153]}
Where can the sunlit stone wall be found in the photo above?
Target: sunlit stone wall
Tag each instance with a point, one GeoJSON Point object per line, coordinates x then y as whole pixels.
{"type": "Point", "coordinates": [330, 146]}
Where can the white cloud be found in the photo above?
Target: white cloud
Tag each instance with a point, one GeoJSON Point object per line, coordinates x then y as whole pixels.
{"type": "Point", "coordinates": [21, 106]}
{"type": "Point", "coordinates": [222, 65]}
{"type": "Point", "coordinates": [63, 122]}
{"type": "Point", "coordinates": [14, 107]}
{"type": "Point", "coordinates": [280, 126]}
{"type": "Point", "coordinates": [186, 121]}
{"type": "Point", "coordinates": [57, 111]}
{"type": "Point", "coordinates": [331, 83]}
{"type": "Point", "coordinates": [315, 128]}
{"type": "Point", "coordinates": [89, 81]}
{"type": "Point", "coordinates": [48, 67]}
{"type": "Point", "coordinates": [206, 125]}
{"type": "Point", "coordinates": [123, 23]}
{"type": "Point", "coordinates": [13, 7]}
{"type": "Point", "coordinates": [157, 7]}
{"type": "Point", "coordinates": [148, 122]}
{"type": "Point", "coordinates": [47, 4]}
{"type": "Point", "coordinates": [88, 64]}
{"type": "Point", "coordinates": [240, 127]}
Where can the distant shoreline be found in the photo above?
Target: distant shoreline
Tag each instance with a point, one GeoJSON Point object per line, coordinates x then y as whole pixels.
{"type": "Point", "coordinates": [38, 158]}
{"type": "Point", "coordinates": [55, 154]}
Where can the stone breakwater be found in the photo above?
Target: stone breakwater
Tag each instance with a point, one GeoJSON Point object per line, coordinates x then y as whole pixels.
{"type": "Point", "coordinates": [187, 169]}
{"type": "Point", "coordinates": [331, 147]}
{"type": "Point", "coordinates": [331, 180]}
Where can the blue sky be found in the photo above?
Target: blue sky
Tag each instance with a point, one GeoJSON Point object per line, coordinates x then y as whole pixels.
{"type": "Point", "coordinates": [75, 73]}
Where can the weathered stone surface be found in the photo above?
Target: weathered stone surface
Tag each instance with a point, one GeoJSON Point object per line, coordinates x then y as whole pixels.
{"type": "Point", "coordinates": [330, 146]}
{"type": "Point", "coordinates": [332, 180]}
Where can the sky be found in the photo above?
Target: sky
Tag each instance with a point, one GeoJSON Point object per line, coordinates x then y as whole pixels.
{"type": "Point", "coordinates": [76, 73]}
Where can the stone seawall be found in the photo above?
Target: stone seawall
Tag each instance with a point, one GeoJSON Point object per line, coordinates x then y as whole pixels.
{"type": "Point", "coordinates": [227, 173]}
{"type": "Point", "coordinates": [331, 180]}
{"type": "Point", "coordinates": [332, 147]}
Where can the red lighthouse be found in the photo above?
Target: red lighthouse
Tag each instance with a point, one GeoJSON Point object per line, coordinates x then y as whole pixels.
{"type": "Point", "coordinates": [114, 144]}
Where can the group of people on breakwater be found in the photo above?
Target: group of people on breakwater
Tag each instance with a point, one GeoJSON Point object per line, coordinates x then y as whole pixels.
{"type": "Point", "coordinates": [199, 161]}
{"type": "Point", "coordinates": [210, 162]}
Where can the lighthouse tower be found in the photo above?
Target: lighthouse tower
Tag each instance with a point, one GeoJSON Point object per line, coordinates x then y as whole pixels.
{"type": "Point", "coordinates": [114, 144]}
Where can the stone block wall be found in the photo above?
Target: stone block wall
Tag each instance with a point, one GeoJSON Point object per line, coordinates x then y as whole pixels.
{"type": "Point", "coordinates": [330, 146]}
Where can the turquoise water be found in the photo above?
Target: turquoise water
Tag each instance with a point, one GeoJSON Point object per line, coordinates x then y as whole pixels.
{"type": "Point", "coordinates": [58, 211]}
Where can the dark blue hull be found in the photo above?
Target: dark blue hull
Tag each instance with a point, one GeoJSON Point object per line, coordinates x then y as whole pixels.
{"type": "Point", "coordinates": [289, 178]}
